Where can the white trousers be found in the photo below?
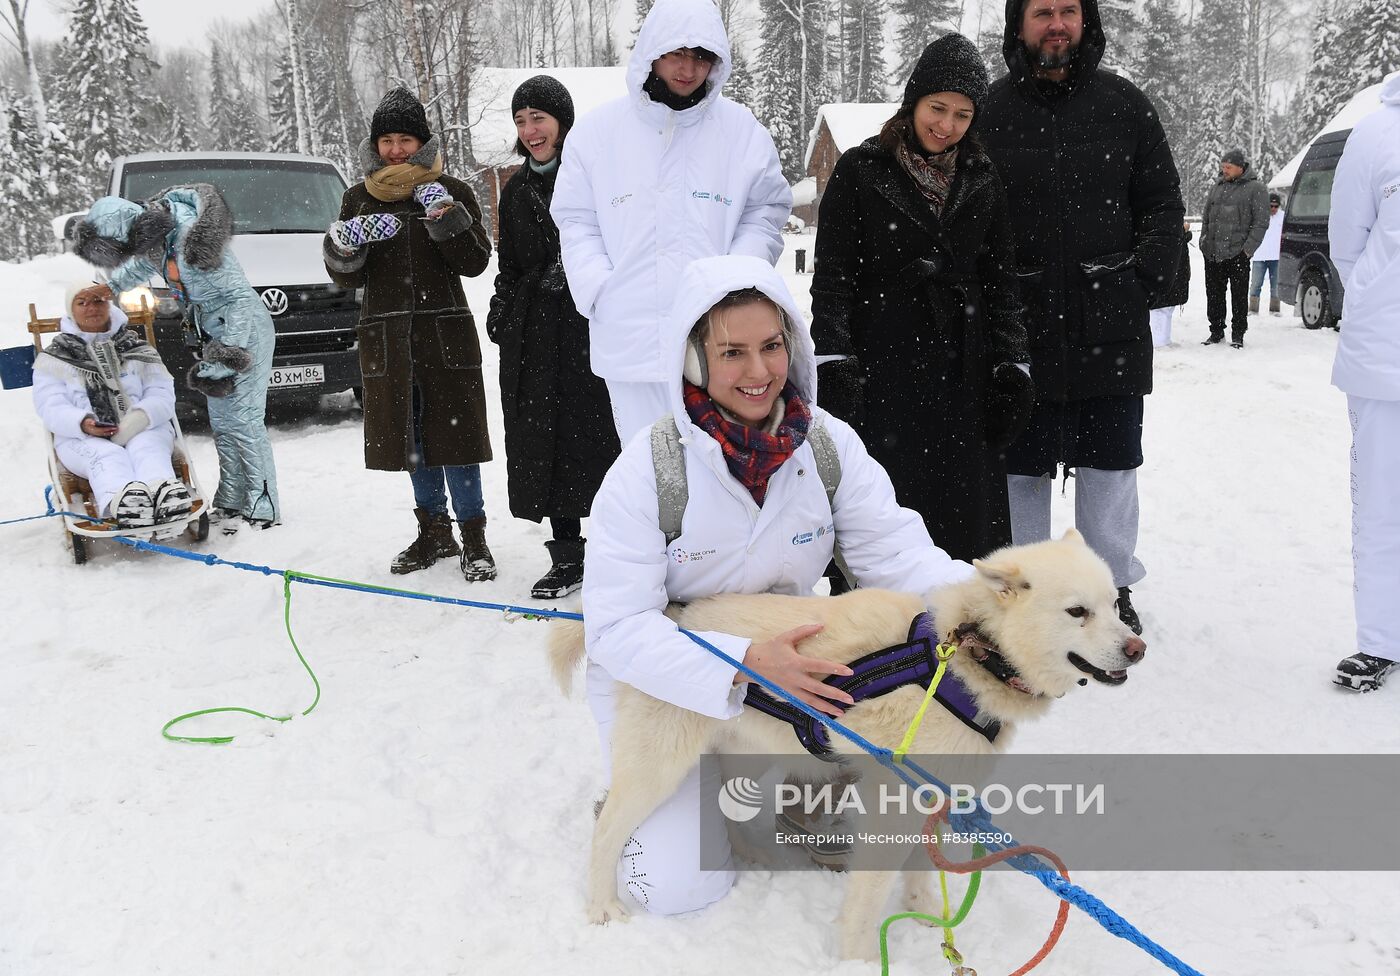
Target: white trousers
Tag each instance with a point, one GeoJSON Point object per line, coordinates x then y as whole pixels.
{"type": "Point", "coordinates": [636, 406]}
{"type": "Point", "coordinates": [1375, 523]}
{"type": "Point", "coordinates": [1105, 513]}
{"type": "Point", "coordinates": [1160, 319]}
{"type": "Point", "coordinates": [660, 866]}
{"type": "Point", "coordinates": [109, 468]}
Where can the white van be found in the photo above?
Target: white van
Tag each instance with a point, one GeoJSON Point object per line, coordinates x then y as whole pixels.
{"type": "Point", "coordinates": [282, 204]}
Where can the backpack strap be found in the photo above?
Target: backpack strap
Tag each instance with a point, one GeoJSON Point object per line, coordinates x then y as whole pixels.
{"type": "Point", "coordinates": [672, 491]}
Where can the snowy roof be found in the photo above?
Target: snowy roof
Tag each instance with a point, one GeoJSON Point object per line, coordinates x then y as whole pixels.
{"type": "Point", "coordinates": [1362, 104]}
{"type": "Point", "coordinates": [850, 123]}
{"type": "Point", "coordinates": [492, 124]}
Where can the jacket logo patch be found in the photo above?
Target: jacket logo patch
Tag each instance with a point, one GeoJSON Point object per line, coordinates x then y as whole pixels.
{"type": "Point", "coordinates": [682, 556]}
{"type": "Point", "coordinates": [619, 201]}
{"type": "Point", "coordinates": [1389, 191]}
{"type": "Point", "coordinates": [802, 538]}
{"type": "Point", "coordinates": [716, 197]}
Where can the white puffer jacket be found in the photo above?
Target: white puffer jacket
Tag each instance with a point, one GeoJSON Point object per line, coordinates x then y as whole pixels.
{"type": "Point", "coordinates": [1364, 232]}
{"type": "Point", "coordinates": [643, 190]}
{"type": "Point", "coordinates": [61, 399]}
{"type": "Point", "coordinates": [728, 544]}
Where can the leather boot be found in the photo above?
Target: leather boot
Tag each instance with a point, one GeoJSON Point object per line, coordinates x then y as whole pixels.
{"type": "Point", "coordinates": [1274, 307]}
{"type": "Point", "coordinates": [477, 563]}
{"type": "Point", "coordinates": [434, 542]}
{"type": "Point", "coordinates": [566, 575]}
{"type": "Point", "coordinates": [1253, 304]}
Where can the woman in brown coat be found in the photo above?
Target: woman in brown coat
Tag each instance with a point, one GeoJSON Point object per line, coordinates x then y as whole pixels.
{"type": "Point", "coordinates": [406, 235]}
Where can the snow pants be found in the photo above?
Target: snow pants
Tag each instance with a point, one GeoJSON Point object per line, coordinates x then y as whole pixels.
{"type": "Point", "coordinates": [109, 468]}
{"type": "Point", "coordinates": [247, 475]}
{"type": "Point", "coordinates": [1375, 523]}
{"type": "Point", "coordinates": [660, 866]}
{"type": "Point", "coordinates": [1105, 513]}
{"type": "Point", "coordinates": [636, 406]}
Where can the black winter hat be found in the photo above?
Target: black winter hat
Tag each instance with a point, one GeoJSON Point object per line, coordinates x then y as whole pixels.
{"type": "Point", "coordinates": [950, 63]}
{"type": "Point", "coordinates": [1235, 157]}
{"type": "Point", "coordinates": [400, 111]}
{"type": "Point", "coordinates": [546, 94]}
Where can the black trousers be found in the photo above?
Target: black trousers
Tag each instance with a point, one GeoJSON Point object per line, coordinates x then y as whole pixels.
{"type": "Point", "coordinates": [1236, 272]}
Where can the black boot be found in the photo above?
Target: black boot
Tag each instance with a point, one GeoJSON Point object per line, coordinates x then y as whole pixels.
{"type": "Point", "coordinates": [477, 562]}
{"type": "Point", "coordinates": [1214, 337]}
{"type": "Point", "coordinates": [1126, 613]}
{"type": "Point", "coordinates": [566, 575]}
{"type": "Point", "coordinates": [434, 542]}
{"type": "Point", "coordinates": [1363, 672]}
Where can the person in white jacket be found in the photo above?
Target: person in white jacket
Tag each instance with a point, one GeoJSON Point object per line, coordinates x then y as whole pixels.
{"type": "Point", "coordinates": [1364, 232]}
{"type": "Point", "coordinates": [1265, 261]}
{"type": "Point", "coordinates": [757, 521]}
{"type": "Point", "coordinates": [671, 172]}
{"type": "Point", "coordinates": [108, 400]}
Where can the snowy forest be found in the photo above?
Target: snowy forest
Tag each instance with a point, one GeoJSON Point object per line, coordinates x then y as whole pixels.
{"type": "Point", "coordinates": [304, 75]}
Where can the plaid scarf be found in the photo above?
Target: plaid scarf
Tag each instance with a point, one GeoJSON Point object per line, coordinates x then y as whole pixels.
{"type": "Point", "coordinates": [752, 454]}
{"type": "Point", "coordinates": [932, 175]}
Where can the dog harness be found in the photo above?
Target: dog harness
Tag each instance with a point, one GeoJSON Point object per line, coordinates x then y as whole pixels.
{"type": "Point", "coordinates": [884, 671]}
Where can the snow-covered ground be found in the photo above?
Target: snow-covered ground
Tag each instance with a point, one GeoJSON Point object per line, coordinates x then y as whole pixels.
{"type": "Point", "coordinates": [432, 815]}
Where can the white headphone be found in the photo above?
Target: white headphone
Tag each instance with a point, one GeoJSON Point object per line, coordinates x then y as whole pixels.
{"type": "Point", "coordinates": [697, 370]}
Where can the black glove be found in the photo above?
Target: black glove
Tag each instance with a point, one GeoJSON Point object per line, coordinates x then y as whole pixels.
{"type": "Point", "coordinates": [841, 390]}
{"type": "Point", "coordinates": [554, 279]}
{"type": "Point", "coordinates": [1010, 401]}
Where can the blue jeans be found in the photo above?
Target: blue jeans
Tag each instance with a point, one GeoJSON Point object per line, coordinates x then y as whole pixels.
{"type": "Point", "coordinates": [431, 485]}
{"type": "Point", "coordinates": [1256, 279]}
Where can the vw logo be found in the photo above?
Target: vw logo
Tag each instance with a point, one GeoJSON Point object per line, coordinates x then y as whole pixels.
{"type": "Point", "coordinates": [275, 299]}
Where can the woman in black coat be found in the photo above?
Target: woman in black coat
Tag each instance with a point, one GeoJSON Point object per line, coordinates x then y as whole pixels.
{"type": "Point", "coordinates": [915, 286]}
{"type": "Point", "coordinates": [560, 439]}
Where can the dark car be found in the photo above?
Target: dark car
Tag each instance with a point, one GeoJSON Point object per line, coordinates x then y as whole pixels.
{"type": "Point", "coordinates": [1307, 278]}
{"type": "Point", "coordinates": [282, 204]}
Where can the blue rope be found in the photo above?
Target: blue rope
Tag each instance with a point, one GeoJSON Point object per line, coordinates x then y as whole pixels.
{"type": "Point", "coordinates": [975, 821]}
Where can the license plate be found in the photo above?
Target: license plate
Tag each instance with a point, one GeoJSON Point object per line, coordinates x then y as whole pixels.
{"type": "Point", "coordinates": [310, 374]}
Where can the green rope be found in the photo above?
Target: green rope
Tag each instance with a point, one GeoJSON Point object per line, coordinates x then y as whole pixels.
{"type": "Point", "coordinates": [220, 739]}
{"type": "Point", "coordinates": [948, 923]}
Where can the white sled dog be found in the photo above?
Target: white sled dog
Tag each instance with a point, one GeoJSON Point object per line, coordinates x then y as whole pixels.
{"type": "Point", "coordinates": [1048, 608]}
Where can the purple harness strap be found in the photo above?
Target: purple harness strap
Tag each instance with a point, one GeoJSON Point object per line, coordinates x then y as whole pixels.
{"type": "Point", "coordinates": [876, 674]}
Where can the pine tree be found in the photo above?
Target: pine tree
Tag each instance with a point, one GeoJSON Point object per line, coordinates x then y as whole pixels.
{"type": "Point", "coordinates": [1373, 29]}
{"type": "Point", "coordinates": [740, 85]}
{"type": "Point", "coordinates": [1126, 37]}
{"type": "Point", "coordinates": [181, 138]}
{"type": "Point", "coordinates": [920, 23]}
{"type": "Point", "coordinates": [643, 8]}
{"type": "Point", "coordinates": [1162, 73]}
{"type": "Point", "coordinates": [863, 51]}
{"type": "Point", "coordinates": [1326, 87]}
{"type": "Point", "coordinates": [101, 91]}
{"type": "Point", "coordinates": [24, 213]}
{"type": "Point", "coordinates": [1220, 105]}
{"type": "Point", "coordinates": [226, 117]}
{"type": "Point", "coordinates": [281, 109]}
{"type": "Point", "coordinates": [793, 79]}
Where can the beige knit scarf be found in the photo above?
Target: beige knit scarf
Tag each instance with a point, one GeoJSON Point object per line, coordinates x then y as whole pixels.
{"type": "Point", "coordinates": [391, 183]}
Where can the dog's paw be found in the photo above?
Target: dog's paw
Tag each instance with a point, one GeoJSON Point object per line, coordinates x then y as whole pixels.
{"type": "Point", "coordinates": [606, 910]}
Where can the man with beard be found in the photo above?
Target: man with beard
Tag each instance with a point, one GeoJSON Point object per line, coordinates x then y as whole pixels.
{"type": "Point", "coordinates": [1096, 208]}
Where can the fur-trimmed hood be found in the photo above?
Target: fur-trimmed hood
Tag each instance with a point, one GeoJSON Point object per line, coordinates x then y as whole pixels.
{"type": "Point", "coordinates": [115, 229]}
{"type": "Point", "coordinates": [371, 161]}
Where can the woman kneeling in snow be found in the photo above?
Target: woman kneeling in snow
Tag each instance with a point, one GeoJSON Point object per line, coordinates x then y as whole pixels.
{"type": "Point", "coordinates": [743, 395]}
{"type": "Point", "coordinates": [108, 400]}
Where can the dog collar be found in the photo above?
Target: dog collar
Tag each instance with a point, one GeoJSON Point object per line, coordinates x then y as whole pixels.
{"type": "Point", "coordinates": [970, 640]}
{"type": "Point", "coordinates": [877, 674]}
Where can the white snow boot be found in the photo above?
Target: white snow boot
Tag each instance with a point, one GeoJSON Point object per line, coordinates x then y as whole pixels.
{"type": "Point", "coordinates": [172, 500]}
{"type": "Point", "coordinates": [134, 507]}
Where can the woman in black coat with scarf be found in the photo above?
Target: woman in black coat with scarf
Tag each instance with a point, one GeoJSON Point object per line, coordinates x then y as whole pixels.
{"type": "Point", "coordinates": [915, 287]}
{"type": "Point", "coordinates": [560, 438]}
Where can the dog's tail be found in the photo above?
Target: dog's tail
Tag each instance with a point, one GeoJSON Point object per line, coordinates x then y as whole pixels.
{"type": "Point", "coordinates": [565, 651]}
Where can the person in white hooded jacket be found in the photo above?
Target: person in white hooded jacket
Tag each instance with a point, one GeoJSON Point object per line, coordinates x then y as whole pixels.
{"type": "Point", "coordinates": [757, 521]}
{"type": "Point", "coordinates": [671, 172]}
{"type": "Point", "coordinates": [108, 400]}
{"type": "Point", "coordinates": [1364, 232]}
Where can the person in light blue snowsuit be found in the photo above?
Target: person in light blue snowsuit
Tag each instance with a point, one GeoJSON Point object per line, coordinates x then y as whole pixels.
{"type": "Point", "coordinates": [182, 234]}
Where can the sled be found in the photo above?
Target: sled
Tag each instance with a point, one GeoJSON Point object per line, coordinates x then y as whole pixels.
{"type": "Point", "coordinates": [81, 521]}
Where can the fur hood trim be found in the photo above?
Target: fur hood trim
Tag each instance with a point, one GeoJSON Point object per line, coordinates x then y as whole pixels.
{"type": "Point", "coordinates": [212, 228]}
{"type": "Point", "coordinates": [370, 160]}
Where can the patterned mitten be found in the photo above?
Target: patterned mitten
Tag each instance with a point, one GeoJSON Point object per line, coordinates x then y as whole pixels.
{"type": "Point", "coordinates": [433, 197]}
{"type": "Point", "coordinates": [359, 231]}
